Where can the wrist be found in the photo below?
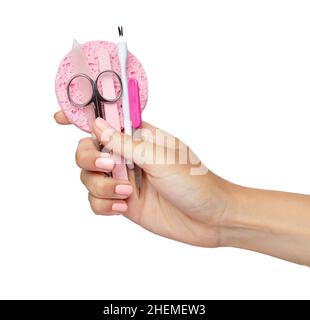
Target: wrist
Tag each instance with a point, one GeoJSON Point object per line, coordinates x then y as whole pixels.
{"type": "Point", "coordinates": [223, 210]}
{"type": "Point", "coordinates": [270, 222]}
{"type": "Point", "coordinates": [236, 223]}
{"type": "Point", "coordinates": [254, 220]}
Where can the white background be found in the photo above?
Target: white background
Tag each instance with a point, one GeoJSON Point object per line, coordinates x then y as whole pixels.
{"type": "Point", "coordinates": [231, 78]}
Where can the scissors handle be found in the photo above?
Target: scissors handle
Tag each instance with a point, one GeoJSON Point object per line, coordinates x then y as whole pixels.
{"type": "Point", "coordinates": [93, 93]}
{"type": "Point", "coordinates": [100, 93]}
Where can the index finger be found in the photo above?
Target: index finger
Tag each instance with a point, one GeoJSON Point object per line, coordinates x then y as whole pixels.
{"type": "Point", "coordinates": [89, 158]}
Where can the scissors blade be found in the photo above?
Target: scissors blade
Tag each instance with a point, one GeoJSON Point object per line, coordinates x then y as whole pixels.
{"type": "Point", "coordinates": [80, 65]}
{"type": "Point", "coordinates": [137, 169]}
{"type": "Point", "coordinates": [138, 179]}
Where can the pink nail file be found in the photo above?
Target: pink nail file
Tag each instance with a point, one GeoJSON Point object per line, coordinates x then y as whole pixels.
{"type": "Point", "coordinates": [134, 103]}
{"type": "Point", "coordinates": [111, 110]}
{"type": "Point", "coordinates": [136, 121]}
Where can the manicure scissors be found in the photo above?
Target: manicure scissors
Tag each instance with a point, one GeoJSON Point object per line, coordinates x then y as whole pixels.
{"type": "Point", "coordinates": [94, 93]}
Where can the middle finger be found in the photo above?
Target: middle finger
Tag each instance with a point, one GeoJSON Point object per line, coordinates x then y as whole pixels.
{"type": "Point", "coordinates": [88, 157]}
{"type": "Point", "coordinates": [104, 187]}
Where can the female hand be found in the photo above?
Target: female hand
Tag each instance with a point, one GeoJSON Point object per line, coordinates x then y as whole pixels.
{"type": "Point", "coordinates": [181, 201]}
{"type": "Point", "coordinates": [184, 201]}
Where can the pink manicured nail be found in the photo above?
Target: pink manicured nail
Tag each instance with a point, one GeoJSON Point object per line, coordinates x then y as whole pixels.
{"type": "Point", "coordinates": [123, 189]}
{"type": "Point", "coordinates": [119, 207]}
{"type": "Point", "coordinates": [105, 163]}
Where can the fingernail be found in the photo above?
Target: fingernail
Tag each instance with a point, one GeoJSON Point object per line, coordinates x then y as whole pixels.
{"type": "Point", "coordinates": [123, 189]}
{"type": "Point", "coordinates": [104, 163]}
{"type": "Point", "coordinates": [119, 207]}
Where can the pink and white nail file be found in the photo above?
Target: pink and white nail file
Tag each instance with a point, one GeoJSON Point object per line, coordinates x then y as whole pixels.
{"type": "Point", "coordinates": [111, 110]}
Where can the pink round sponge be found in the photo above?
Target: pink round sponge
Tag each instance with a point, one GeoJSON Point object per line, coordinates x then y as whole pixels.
{"type": "Point", "coordinates": [77, 115]}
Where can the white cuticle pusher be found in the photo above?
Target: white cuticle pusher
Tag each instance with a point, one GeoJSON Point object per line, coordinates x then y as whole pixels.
{"type": "Point", "coordinates": [122, 52]}
{"type": "Point", "coordinates": [122, 56]}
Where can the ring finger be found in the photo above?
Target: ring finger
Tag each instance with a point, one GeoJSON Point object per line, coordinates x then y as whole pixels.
{"type": "Point", "coordinates": [104, 187]}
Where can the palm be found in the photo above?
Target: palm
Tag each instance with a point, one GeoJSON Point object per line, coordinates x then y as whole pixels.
{"type": "Point", "coordinates": [170, 217]}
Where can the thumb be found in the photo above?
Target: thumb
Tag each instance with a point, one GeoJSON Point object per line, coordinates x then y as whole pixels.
{"type": "Point", "coordinates": [131, 148]}
{"type": "Point", "coordinates": [158, 153]}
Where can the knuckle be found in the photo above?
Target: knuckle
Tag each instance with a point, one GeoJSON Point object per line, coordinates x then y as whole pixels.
{"type": "Point", "coordinates": [79, 157]}
{"type": "Point", "coordinates": [85, 139]}
{"type": "Point", "coordinates": [81, 154]}
{"type": "Point", "coordinates": [96, 205]}
{"type": "Point", "coordinates": [100, 187]}
{"type": "Point", "coordinates": [82, 176]}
